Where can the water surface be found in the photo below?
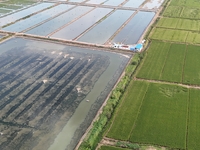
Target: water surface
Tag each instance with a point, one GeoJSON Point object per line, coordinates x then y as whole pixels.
{"type": "Point", "coordinates": [132, 32]}
{"type": "Point", "coordinates": [133, 3]}
{"type": "Point", "coordinates": [104, 30]}
{"type": "Point", "coordinates": [38, 18]}
{"type": "Point", "coordinates": [153, 4]}
{"type": "Point", "coordinates": [114, 2]}
{"type": "Point", "coordinates": [76, 28]}
{"type": "Point", "coordinates": [23, 13]}
{"type": "Point", "coordinates": [52, 25]}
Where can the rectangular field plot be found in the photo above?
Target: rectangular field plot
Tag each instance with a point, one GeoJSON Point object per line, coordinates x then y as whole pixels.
{"type": "Point", "coordinates": [44, 88]}
{"type": "Point", "coordinates": [23, 13]}
{"type": "Point", "coordinates": [177, 63]}
{"type": "Point", "coordinates": [176, 23]}
{"type": "Point", "coordinates": [160, 115]}
{"type": "Point", "coordinates": [157, 52]}
{"type": "Point", "coordinates": [153, 4]}
{"type": "Point", "coordinates": [173, 11]}
{"type": "Point", "coordinates": [191, 13]}
{"type": "Point", "coordinates": [133, 3]}
{"type": "Point", "coordinates": [38, 18]}
{"type": "Point", "coordinates": [73, 30]}
{"type": "Point", "coordinates": [191, 69]}
{"type": "Point", "coordinates": [105, 29]}
{"type": "Point", "coordinates": [169, 34]}
{"type": "Point", "coordinates": [114, 2]}
{"type": "Point", "coordinates": [193, 37]}
{"type": "Point", "coordinates": [132, 32]}
{"type": "Point", "coordinates": [163, 116]}
{"type": "Point", "coordinates": [186, 3]}
{"type": "Point", "coordinates": [54, 24]}
{"type": "Point", "coordinates": [194, 121]}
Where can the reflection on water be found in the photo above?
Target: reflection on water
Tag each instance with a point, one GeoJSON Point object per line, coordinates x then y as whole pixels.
{"type": "Point", "coordinates": [153, 4]}
{"type": "Point", "coordinates": [76, 28]}
{"type": "Point", "coordinates": [26, 12]}
{"type": "Point", "coordinates": [44, 87]}
{"type": "Point", "coordinates": [96, 1]}
{"type": "Point", "coordinates": [35, 19]}
{"type": "Point", "coordinates": [133, 3]}
{"type": "Point", "coordinates": [113, 2]}
{"type": "Point", "coordinates": [104, 30]}
{"type": "Point", "coordinates": [59, 21]}
{"type": "Point", "coordinates": [132, 32]}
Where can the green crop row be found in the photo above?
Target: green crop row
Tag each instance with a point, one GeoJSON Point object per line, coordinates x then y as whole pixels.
{"type": "Point", "coordinates": [165, 115]}
{"type": "Point", "coordinates": [185, 3]}
{"type": "Point", "coordinates": [94, 135]}
{"type": "Point", "coordinates": [182, 12]}
{"type": "Point", "coordinates": [177, 23]}
{"type": "Point", "coordinates": [177, 63]}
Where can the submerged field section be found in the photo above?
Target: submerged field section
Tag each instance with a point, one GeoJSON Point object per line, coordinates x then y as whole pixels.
{"type": "Point", "coordinates": [101, 23]}
{"type": "Point", "coordinates": [44, 84]}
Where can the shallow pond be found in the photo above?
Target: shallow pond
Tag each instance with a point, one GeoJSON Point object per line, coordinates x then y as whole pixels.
{"type": "Point", "coordinates": [104, 30]}
{"type": "Point", "coordinates": [38, 18]}
{"type": "Point", "coordinates": [114, 2]}
{"type": "Point", "coordinates": [76, 28]}
{"type": "Point", "coordinates": [153, 4]}
{"type": "Point", "coordinates": [133, 3]}
{"type": "Point", "coordinates": [132, 32]}
{"type": "Point", "coordinates": [23, 13]}
{"type": "Point", "coordinates": [54, 24]}
{"type": "Point", "coordinates": [44, 88]}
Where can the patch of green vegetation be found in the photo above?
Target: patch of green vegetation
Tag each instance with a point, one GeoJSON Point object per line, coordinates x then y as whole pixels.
{"type": "Point", "coordinates": [169, 35]}
{"type": "Point", "coordinates": [112, 148]}
{"type": "Point", "coordinates": [127, 112]}
{"type": "Point", "coordinates": [191, 13]}
{"type": "Point", "coordinates": [168, 22]}
{"type": "Point", "coordinates": [173, 11]}
{"type": "Point", "coordinates": [4, 11]}
{"type": "Point", "coordinates": [186, 3]}
{"type": "Point", "coordinates": [157, 52]}
{"type": "Point", "coordinates": [158, 117]}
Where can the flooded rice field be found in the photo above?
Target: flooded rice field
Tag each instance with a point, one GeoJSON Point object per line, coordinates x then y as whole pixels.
{"type": "Point", "coordinates": [96, 1]}
{"type": "Point", "coordinates": [153, 4]}
{"type": "Point", "coordinates": [132, 32]}
{"type": "Point", "coordinates": [113, 2]}
{"type": "Point", "coordinates": [134, 3]}
{"type": "Point", "coordinates": [54, 24]}
{"type": "Point", "coordinates": [51, 92]}
{"type": "Point", "coordinates": [104, 30]}
{"type": "Point", "coordinates": [73, 30]}
{"type": "Point", "coordinates": [23, 13]}
{"type": "Point", "coordinates": [38, 18]}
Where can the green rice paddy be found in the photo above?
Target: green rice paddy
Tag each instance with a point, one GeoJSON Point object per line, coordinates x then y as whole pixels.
{"type": "Point", "coordinates": [166, 115]}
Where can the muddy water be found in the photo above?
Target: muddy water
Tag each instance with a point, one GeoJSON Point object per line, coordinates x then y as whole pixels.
{"type": "Point", "coordinates": [132, 32]}
{"type": "Point", "coordinates": [13, 17]}
{"type": "Point", "coordinates": [65, 136]}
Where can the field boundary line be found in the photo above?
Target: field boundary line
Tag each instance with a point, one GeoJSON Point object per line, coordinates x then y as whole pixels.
{"type": "Point", "coordinates": [169, 83]}
{"type": "Point", "coordinates": [187, 121]}
{"type": "Point", "coordinates": [139, 110]}
{"type": "Point", "coordinates": [143, 60]}
{"type": "Point", "coordinates": [118, 108]}
{"type": "Point", "coordinates": [184, 61]}
{"type": "Point", "coordinates": [165, 61]}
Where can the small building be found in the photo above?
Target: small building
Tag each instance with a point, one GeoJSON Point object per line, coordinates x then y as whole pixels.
{"type": "Point", "coordinates": [139, 47]}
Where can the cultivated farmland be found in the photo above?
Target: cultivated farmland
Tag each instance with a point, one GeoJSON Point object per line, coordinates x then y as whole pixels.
{"type": "Point", "coordinates": [161, 117]}
{"type": "Point", "coordinates": [177, 63]}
